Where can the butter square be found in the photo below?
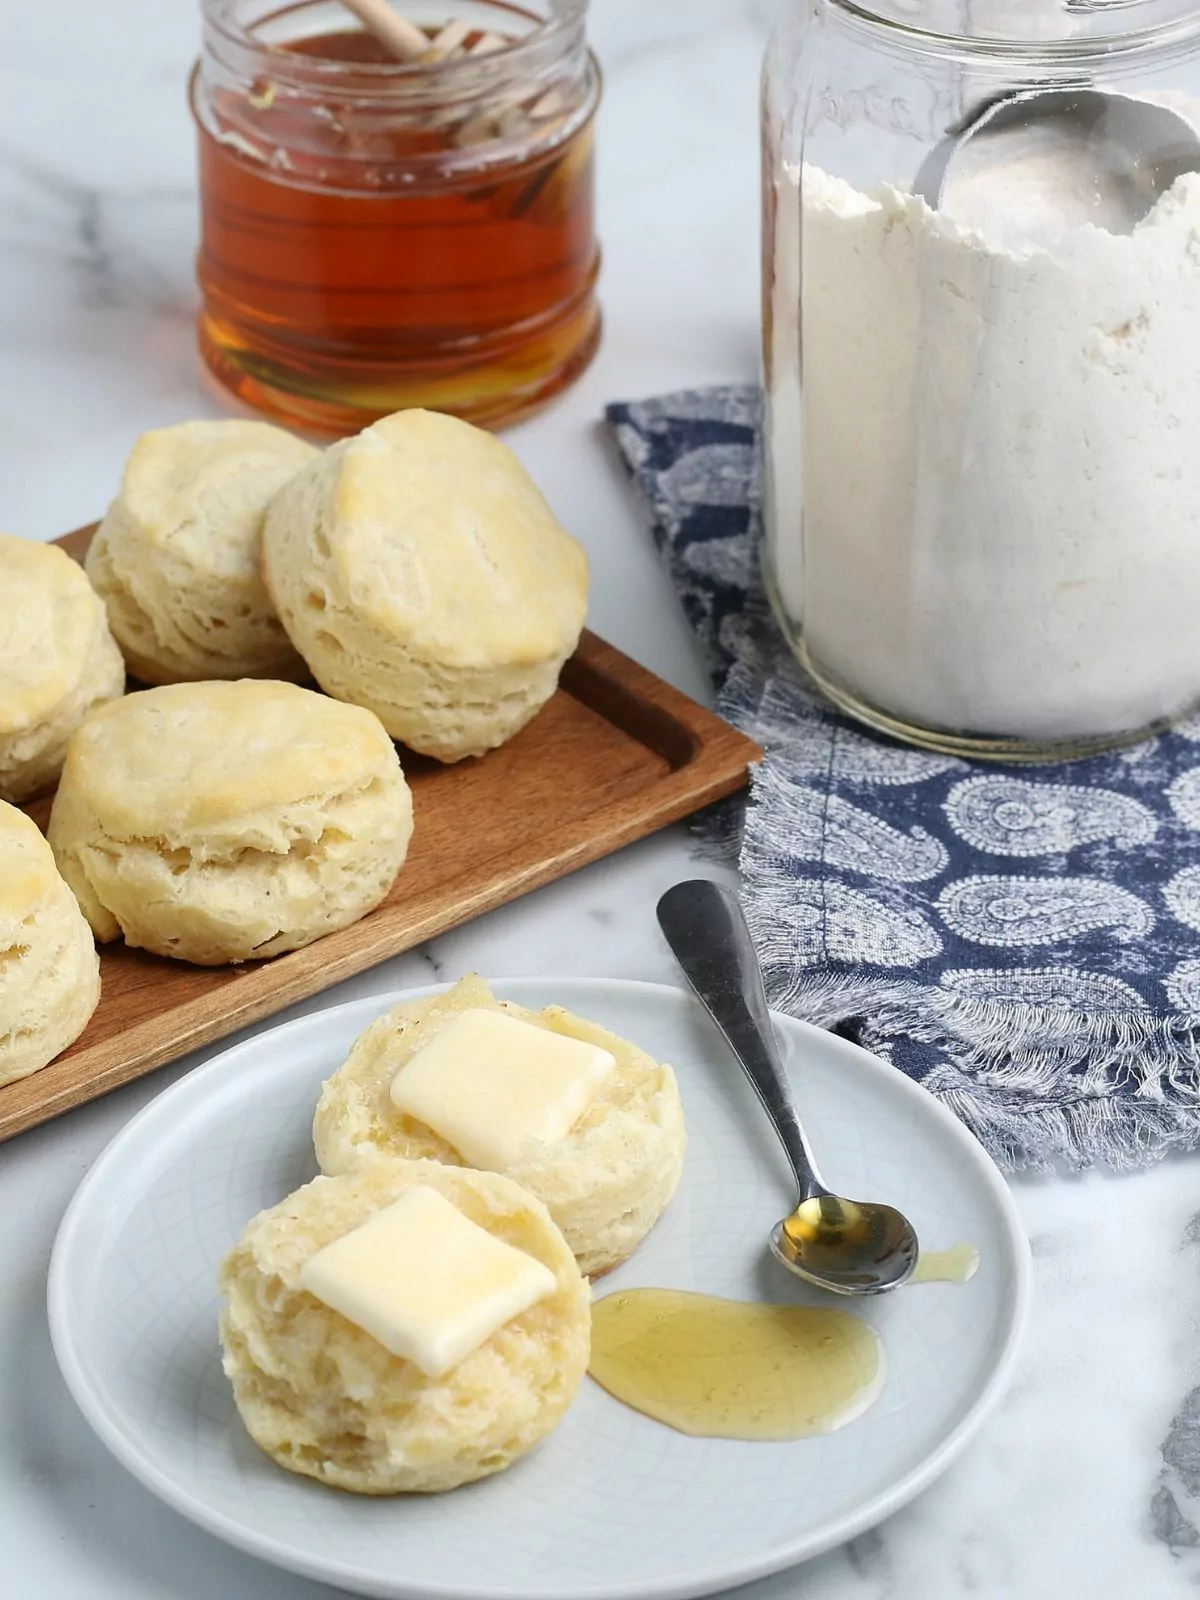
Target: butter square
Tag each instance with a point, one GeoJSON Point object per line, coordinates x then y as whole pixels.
{"type": "Point", "coordinates": [425, 1281]}
{"type": "Point", "coordinates": [491, 1085]}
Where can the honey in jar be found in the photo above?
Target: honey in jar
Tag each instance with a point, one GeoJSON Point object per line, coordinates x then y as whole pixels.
{"type": "Point", "coordinates": [379, 234]}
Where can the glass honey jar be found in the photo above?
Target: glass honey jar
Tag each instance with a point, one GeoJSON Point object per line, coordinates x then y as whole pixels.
{"type": "Point", "coordinates": [378, 234]}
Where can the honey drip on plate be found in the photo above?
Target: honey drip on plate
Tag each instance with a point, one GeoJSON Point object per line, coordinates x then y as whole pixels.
{"type": "Point", "coordinates": [730, 1369]}
{"type": "Point", "coordinates": [947, 1266]}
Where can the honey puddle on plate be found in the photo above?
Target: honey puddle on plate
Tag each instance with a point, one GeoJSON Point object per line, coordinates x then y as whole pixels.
{"type": "Point", "coordinates": [734, 1369]}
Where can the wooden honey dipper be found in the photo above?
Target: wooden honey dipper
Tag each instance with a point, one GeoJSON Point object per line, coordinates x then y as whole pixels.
{"type": "Point", "coordinates": [411, 44]}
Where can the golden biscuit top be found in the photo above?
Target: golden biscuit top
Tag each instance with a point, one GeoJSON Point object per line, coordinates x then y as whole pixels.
{"type": "Point", "coordinates": [27, 869]}
{"type": "Point", "coordinates": [192, 758]}
{"type": "Point", "coordinates": [49, 615]}
{"type": "Point", "coordinates": [442, 540]}
{"type": "Point", "coordinates": [199, 490]}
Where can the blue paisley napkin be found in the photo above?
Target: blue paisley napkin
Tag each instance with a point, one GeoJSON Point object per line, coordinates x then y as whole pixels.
{"type": "Point", "coordinates": [1023, 942]}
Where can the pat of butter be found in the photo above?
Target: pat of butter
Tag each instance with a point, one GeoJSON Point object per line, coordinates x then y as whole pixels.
{"type": "Point", "coordinates": [492, 1085]}
{"type": "Point", "coordinates": [427, 1282]}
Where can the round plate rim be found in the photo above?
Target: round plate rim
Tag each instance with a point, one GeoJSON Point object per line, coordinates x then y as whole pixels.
{"type": "Point", "coordinates": [106, 1421]}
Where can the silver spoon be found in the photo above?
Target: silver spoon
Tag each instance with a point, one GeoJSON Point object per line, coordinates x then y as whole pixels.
{"type": "Point", "coordinates": [852, 1247]}
{"type": "Point", "coordinates": [1136, 149]}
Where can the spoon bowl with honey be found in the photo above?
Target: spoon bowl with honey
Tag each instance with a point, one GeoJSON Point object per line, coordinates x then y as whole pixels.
{"type": "Point", "coordinates": [849, 1247]}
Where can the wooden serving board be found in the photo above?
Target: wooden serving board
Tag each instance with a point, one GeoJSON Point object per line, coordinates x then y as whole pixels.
{"type": "Point", "coordinates": [616, 754]}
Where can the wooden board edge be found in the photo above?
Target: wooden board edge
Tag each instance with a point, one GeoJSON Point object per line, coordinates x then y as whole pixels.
{"type": "Point", "coordinates": [76, 543]}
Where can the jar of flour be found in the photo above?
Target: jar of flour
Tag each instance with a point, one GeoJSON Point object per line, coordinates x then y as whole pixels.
{"type": "Point", "coordinates": [982, 432]}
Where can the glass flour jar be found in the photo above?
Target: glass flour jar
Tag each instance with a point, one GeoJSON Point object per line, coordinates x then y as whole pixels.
{"type": "Point", "coordinates": [982, 345]}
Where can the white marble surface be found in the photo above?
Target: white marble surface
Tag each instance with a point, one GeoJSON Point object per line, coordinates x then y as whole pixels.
{"type": "Point", "coordinates": [97, 223]}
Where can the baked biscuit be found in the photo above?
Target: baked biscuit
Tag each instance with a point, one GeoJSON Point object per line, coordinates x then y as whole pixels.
{"type": "Point", "coordinates": [227, 821]}
{"type": "Point", "coordinates": [177, 559]}
{"type": "Point", "coordinates": [57, 660]}
{"type": "Point", "coordinates": [49, 971]}
{"type": "Point", "coordinates": [606, 1184]}
{"type": "Point", "coordinates": [324, 1398]}
{"type": "Point", "coordinates": [420, 573]}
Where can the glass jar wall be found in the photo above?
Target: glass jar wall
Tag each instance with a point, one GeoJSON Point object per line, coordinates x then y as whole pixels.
{"type": "Point", "coordinates": [982, 358]}
{"type": "Point", "coordinates": [377, 235]}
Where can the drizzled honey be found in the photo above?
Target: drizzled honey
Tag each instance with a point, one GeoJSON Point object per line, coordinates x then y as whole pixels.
{"type": "Point", "coordinates": [730, 1369]}
{"type": "Point", "coordinates": [733, 1369]}
{"type": "Point", "coordinates": [362, 253]}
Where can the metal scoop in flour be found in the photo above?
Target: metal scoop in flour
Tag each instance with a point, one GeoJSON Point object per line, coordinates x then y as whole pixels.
{"type": "Point", "coordinates": [1043, 160]}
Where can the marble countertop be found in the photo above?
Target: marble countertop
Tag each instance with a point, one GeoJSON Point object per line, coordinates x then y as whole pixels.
{"type": "Point", "coordinates": [1087, 1482]}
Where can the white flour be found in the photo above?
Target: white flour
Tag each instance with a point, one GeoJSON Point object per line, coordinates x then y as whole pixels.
{"type": "Point", "coordinates": [1002, 457]}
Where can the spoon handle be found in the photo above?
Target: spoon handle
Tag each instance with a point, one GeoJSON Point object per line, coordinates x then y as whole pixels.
{"type": "Point", "coordinates": [704, 926]}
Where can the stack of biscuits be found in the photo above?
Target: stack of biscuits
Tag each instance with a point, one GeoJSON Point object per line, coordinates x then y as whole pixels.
{"type": "Point", "coordinates": [235, 808]}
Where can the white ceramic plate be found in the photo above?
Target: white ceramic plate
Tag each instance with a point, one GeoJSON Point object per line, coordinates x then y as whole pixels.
{"type": "Point", "coordinates": [612, 1505]}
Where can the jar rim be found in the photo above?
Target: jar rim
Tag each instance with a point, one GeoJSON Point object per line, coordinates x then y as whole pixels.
{"type": "Point", "coordinates": [558, 31]}
{"type": "Point", "coordinates": [1180, 28]}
